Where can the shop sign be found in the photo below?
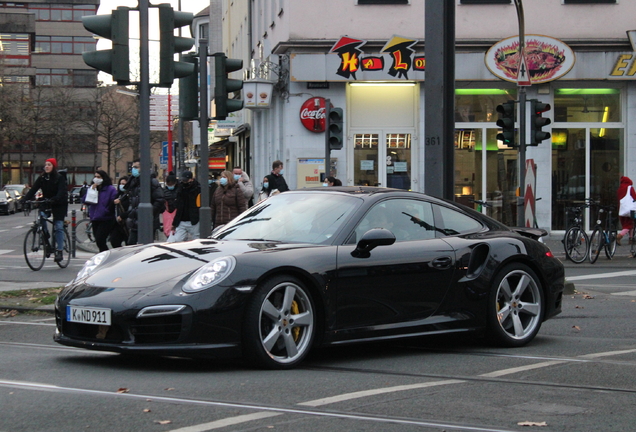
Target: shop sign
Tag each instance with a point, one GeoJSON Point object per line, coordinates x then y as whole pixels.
{"type": "Point", "coordinates": [312, 114]}
{"type": "Point", "coordinates": [216, 163]}
{"type": "Point", "coordinates": [547, 59]}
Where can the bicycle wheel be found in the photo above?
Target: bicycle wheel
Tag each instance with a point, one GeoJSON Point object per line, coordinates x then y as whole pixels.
{"type": "Point", "coordinates": [596, 244]}
{"type": "Point", "coordinates": [66, 252]}
{"type": "Point", "coordinates": [610, 248]}
{"type": "Point", "coordinates": [34, 249]}
{"type": "Point", "coordinates": [84, 238]}
{"type": "Point", "coordinates": [632, 243]}
{"type": "Point", "coordinates": [576, 244]}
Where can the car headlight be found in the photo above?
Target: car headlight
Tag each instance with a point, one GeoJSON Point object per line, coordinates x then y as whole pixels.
{"type": "Point", "coordinates": [91, 265]}
{"type": "Point", "coordinates": [210, 274]}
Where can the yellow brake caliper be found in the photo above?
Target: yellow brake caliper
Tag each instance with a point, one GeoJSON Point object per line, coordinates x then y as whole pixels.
{"type": "Point", "coordinates": [295, 311]}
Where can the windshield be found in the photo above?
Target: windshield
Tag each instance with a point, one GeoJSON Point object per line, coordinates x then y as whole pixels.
{"type": "Point", "coordinates": [293, 218]}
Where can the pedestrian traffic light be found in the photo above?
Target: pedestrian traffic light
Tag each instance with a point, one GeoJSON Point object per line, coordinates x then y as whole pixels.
{"type": "Point", "coordinates": [507, 123]}
{"type": "Point", "coordinates": [169, 45]}
{"type": "Point", "coordinates": [537, 121]}
{"type": "Point", "coordinates": [335, 128]}
{"type": "Point", "coordinates": [114, 61]}
{"type": "Point", "coordinates": [189, 91]}
{"type": "Point", "coordinates": [224, 85]}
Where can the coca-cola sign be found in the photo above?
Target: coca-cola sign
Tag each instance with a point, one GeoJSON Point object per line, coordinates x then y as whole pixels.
{"type": "Point", "coordinates": [312, 114]}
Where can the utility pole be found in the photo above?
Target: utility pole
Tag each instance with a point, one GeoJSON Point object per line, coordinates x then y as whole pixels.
{"type": "Point", "coordinates": [522, 114]}
{"type": "Point", "coordinates": [145, 218]}
{"type": "Point", "coordinates": [205, 212]}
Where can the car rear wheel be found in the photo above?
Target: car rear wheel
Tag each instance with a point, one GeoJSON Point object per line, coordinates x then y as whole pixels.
{"type": "Point", "coordinates": [280, 324]}
{"type": "Point", "coordinates": [515, 307]}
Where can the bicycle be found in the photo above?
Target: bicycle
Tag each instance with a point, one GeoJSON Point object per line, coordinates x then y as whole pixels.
{"type": "Point", "coordinates": [575, 241]}
{"type": "Point", "coordinates": [26, 208]}
{"type": "Point", "coordinates": [84, 238]}
{"type": "Point", "coordinates": [39, 241]}
{"type": "Point", "coordinates": [603, 237]}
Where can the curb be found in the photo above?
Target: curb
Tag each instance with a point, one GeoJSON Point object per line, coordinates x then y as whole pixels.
{"type": "Point", "coordinates": [47, 309]}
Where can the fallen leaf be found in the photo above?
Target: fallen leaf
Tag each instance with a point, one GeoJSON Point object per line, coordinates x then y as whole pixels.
{"type": "Point", "coordinates": [33, 299]}
{"type": "Point", "coordinates": [163, 421]}
{"type": "Point", "coordinates": [123, 390]}
{"type": "Point", "coordinates": [10, 313]}
{"type": "Point", "coordinates": [588, 297]}
{"type": "Point", "coordinates": [169, 389]}
{"type": "Point", "coordinates": [579, 307]}
{"type": "Point", "coordinates": [147, 410]}
{"type": "Point", "coordinates": [576, 327]}
{"type": "Point", "coordinates": [529, 423]}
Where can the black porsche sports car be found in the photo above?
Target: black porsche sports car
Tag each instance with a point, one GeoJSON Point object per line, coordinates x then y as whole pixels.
{"type": "Point", "coordinates": [316, 267]}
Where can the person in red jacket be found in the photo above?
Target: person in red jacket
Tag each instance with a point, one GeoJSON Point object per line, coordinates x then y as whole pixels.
{"type": "Point", "coordinates": [627, 223]}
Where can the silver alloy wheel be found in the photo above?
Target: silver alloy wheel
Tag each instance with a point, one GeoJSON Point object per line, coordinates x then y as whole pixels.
{"type": "Point", "coordinates": [286, 322]}
{"type": "Point", "coordinates": [519, 307]}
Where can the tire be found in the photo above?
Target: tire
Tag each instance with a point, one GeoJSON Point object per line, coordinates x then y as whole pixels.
{"type": "Point", "coordinates": [280, 324]}
{"type": "Point", "coordinates": [34, 250]}
{"type": "Point", "coordinates": [596, 244]}
{"type": "Point", "coordinates": [576, 244]}
{"type": "Point", "coordinates": [84, 238]}
{"type": "Point", "coordinates": [610, 248]}
{"type": "Point", "coordinates": [66, 253]}
{"type": "Point", "coordinates": [515, 307]}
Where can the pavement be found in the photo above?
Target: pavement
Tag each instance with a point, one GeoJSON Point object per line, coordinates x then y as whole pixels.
{"type": "Point", "coordinates": [622, 259]}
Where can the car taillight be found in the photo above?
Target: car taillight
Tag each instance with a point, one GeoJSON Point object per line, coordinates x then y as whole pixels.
{"type": "Point", "coordinates": [549, 254]}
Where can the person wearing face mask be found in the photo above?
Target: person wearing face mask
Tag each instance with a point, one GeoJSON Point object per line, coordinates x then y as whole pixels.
{"type": "Point", "coordinates": [265, 190]}
{"type": "Point", "coordinates": [186, 221]}
{"type": "Point", "coordinates": [53, 186]}
{"type": "Point", "coordinates": [245, 184]}
{"type": "Point", "coordinates": [332, 181]}
{"type": "Point", "coordinates": [102, 213]}
{"type": "Point", "coordinates": [275, 179]}
{"type": "Point", "coordinates": [228, 201]}
{"type": "Point", "coordinates": [134, 192]}
{"type": "Point", "coordinates": [119, 235]}
{"type": "Point", "coordinates": [170, 192]}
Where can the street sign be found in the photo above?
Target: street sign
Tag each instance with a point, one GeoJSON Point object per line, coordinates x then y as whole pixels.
{"type": "Point", "coordinates": [163, 157]}
{"type": "Point", "coordinates": [523, 76]}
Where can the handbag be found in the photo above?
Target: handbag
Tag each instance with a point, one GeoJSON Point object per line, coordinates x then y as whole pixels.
{"type": "Point", "coordinates": [92, 196]}
{"type": "Point", "coordinates": [627, 203]}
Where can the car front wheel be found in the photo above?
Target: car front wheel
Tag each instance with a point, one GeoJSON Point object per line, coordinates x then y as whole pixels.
{"type": "Point", "coordinates": [515, 308]}
{"type": "Point", "coordinates": [280, 324]}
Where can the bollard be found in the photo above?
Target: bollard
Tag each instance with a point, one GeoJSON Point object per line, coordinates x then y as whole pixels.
{"type": "Point", "coordinates": [73, 229]}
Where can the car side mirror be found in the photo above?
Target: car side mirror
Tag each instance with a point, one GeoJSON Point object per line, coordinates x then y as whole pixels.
{"type": "Point", "coordinates": [370, 240]}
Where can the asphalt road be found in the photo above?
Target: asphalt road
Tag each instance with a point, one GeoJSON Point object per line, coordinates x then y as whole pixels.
{"type": "Point", "coordinates": [577, 375]}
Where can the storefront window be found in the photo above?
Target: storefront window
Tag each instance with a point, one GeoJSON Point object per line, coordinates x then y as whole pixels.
{"type": "Point", "coordinates": [587, 105]}
{"type": "Point", "coordinates": [480, 105]}
{"type": "Point", "coordinates": [365, 152]}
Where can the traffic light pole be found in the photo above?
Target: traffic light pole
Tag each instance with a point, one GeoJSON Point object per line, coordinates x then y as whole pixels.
{"type": "Point", "coordinates": [522, 119]}
{"type": "Point", "coordinates": [144, 214]}
{"type": "Point", "coordinates": [327, 147]}
{"type": "Point", "coordinates": [205, 212]}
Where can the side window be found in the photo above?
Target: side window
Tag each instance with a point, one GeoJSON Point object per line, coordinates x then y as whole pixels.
{"type": "Point", "coordinates": [407, 219]}
{"type": "Point", "coordinates": [453, 222]}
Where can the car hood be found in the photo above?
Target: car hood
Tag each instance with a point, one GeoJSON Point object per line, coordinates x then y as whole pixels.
{"type": "Point", "coordinates": [153, 264]}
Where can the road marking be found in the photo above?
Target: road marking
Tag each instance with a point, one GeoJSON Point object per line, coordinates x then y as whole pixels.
{"type": "Point", "coordinates": [26, 323]}
{"type": "Point", "coordinates": [521, 369]}
{"type": "Point", "coordinates": [601, 275]}
{"type": "Point", "coordinates": [227, 422]}
{"type": "Point", "coordinates": [625, 293]}
{"type": "Point", "coordinates": [5, 251]}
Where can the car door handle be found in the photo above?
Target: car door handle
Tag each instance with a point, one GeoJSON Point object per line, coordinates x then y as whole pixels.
{"type": "Point", "coordinates": [442, 263]}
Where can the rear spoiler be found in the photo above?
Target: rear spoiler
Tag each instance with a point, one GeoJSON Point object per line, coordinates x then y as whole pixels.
{"type": "Point", "coordinates": [533, 233]}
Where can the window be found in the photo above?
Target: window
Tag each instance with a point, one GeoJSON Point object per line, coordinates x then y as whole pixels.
{"type": "Point", "coordinates": [382, 2]}
{"type": "Point", "coordinates": [485, 1]}
{"type": "Point", "coordinates": [61, 12]}
{"type": "Point", "coordinates": [588, 1]}
{"type": "Point", "coordinates": [454, 223]}
{"type": "Point", "coordinates": [407, 219]}
{"type": "Point", "coordinates": [64, 44]}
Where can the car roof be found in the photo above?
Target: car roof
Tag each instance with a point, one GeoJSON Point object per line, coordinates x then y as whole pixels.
{"type": "Point", "coordinates": [372, 191]}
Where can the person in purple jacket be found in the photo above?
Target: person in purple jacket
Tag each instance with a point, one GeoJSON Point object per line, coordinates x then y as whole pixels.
{"type": "Point", "coordinates": [102, 214]}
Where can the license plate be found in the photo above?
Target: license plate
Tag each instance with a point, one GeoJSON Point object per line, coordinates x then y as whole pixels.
{"type": "Point", "coordinates": [88, 315]}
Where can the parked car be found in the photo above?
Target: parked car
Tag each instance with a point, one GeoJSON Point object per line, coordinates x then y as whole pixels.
{"type": "Point", "coordinates": [21, 188]}
{"type": "Point", "coordinates": [17, 198]}
{"type": "Point", "coordinates": [7, 203]}
{"type": "Point", "coordinates": [316, 267]}
{"type": "Point", "coordinates": [74, 195]}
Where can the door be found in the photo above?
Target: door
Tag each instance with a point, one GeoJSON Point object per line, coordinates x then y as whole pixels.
{"type": "Point", "coordinates": [382, 158]}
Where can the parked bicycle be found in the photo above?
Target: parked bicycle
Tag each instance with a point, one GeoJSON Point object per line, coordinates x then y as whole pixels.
{"type": "Point", "coordinates": [84, 238]}
{"type": "Point", "coordinates": [39, 243]}
{"type": "Point", "coordinates": [603, 237]}
{"type": "Point", "coordinates": [575, 241]}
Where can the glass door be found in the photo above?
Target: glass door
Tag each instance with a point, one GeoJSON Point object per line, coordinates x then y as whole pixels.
{"type": "Point", "coordinates": [387, 165]}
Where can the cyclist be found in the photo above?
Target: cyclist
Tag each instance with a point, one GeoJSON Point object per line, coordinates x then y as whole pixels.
{"type": "Point", "coordinates": [54, 190]}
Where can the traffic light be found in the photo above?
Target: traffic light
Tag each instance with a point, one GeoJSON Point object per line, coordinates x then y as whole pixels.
{"type": "Point", "coordinates": [507, 123]}
{"type": "Point", "coordinates": [224, 85]}
{"type": "Point", "coordinates": [114, 61]}
{"type": "Point", "coordinates": [169, 45]}
{"type": "Point", "coordinates": [189, 91]}
{"type": "Point", "coordinates": [334, 130]}
{"type": "Point", "coordinates": [537, 121]}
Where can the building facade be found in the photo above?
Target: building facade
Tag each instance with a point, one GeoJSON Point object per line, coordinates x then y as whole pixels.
{"type": "Point", "coordinates": [580, 60]}
{"type": "Point", "coordinates": [42, 42]}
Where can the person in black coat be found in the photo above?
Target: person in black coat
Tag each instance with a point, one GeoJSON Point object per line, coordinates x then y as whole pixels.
{"type": "Point", "coordinates": [133, 187]}
{"type": "Point", "coordinates": [186, 221]}
{"type": "Point", "coordinates": [54, 190]}
{"type": "Point", "coordinates": [275, 179]}
{"type": "Point", "coordinates": [119, 236]}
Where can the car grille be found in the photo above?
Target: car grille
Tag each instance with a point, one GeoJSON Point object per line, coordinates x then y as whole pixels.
{"type": "Point", "coordinates": [137, 331]}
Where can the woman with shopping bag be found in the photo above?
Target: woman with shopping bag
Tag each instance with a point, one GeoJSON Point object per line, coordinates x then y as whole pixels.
{"type": "Point", "coordinates": [625, 194]}
{"type": "Point", "coordinates": [100, 198]}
